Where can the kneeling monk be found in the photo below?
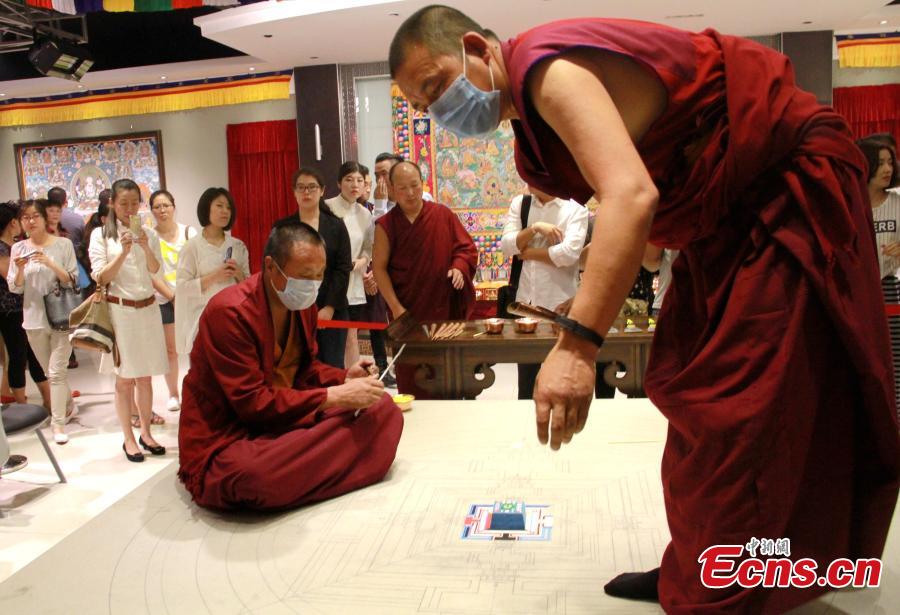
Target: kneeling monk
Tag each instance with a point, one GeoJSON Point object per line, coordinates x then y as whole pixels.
{"type": "Point", "coordinates": [264, 424]}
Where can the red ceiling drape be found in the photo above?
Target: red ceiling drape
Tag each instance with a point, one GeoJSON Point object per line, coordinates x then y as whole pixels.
{"type": "Point", "coordinates": [870, 108]}
{"type": "Point", "coordinates": [262, 156]}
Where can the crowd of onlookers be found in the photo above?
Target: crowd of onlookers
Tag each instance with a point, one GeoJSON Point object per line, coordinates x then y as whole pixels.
{"type": "Point", "coordinates": [158, 274]}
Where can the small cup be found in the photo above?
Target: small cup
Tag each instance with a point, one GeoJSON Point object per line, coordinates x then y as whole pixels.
{"type": "Point", "coordinates": [404, 402]}
{"type": "Point", "coordinates": [526, 325]}
{"type": "Point", "coordinates": [493, 326]}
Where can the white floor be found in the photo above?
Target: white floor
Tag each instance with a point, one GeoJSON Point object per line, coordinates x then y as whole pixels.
{"type": "Point", "coordinates": [615, 526]}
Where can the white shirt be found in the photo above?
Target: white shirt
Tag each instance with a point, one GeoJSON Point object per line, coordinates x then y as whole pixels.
{"type": "Point", "coordinates": [542, 284]}
{"type": "Point", "coordinates": [134, 280]}
{"type": "Point", "coordinates": [665, 276]}
{"type": "Point", "coordinates": [198, 258]}
{"type": "Point", "coordinates": [361, 228]}
{"type": "Point", "coordinates": [39, 279]}
{"type": "Point", "coordinates": [887, 231]}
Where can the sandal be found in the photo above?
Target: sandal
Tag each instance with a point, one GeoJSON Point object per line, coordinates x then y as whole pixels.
{"type": "Point", "coordinates": [155, 419]}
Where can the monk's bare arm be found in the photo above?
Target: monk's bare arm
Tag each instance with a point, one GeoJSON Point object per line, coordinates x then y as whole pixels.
{"type": "Point", "coordinates": [570, 95]}
{"type": "Point", "coordinates": [381, 255]}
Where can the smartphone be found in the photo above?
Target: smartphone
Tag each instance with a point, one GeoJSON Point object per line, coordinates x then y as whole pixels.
{"type": "Point", "coordinates": [135, 226]}
{"type": "Point", "coordinates": [28, 254]}
{"type": "Point", "coordinates": [228, 253]}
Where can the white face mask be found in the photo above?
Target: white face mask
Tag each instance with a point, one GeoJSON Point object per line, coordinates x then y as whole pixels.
{"type": "Point", "coordinates": [298, 294]}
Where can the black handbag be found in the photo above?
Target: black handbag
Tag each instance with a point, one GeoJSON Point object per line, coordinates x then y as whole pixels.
{"type": "Point", "coordinates": [507, 294]}
{"type": "Point", "coordinates": [59, 303]}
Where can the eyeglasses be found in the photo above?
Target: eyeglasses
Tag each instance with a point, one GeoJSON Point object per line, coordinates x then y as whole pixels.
{"type": "Point", "coordinates": [161, 205]}
{"type": "Point", "coordinates": [307, 187]}
{"type": "Point", "coordinates": [31, 218]}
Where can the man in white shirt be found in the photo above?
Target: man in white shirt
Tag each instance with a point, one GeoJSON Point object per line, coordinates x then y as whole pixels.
{"type": "Point", "coordinates": [549, 245]}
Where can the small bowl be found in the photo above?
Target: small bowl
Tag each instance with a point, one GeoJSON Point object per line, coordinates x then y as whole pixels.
{"type": "Point", "coordinates": [494, 326]}
{"type": "Point", "coordinates": [526, 325]}
{"type": "Point", "coordinates": [404, 402]}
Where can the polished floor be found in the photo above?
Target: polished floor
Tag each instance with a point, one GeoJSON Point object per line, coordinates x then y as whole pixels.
{"type": "Point", "coordinates": [125, 538]}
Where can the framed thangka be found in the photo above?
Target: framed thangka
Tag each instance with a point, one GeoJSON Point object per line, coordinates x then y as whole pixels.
{"type": "Point", "coordinates": [85, 167]}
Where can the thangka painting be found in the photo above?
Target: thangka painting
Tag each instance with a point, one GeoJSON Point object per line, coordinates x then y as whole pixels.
{"type": "Point", "coordinates": [85, 167]}
{"type": "Point", "coordinates": [413, 137]}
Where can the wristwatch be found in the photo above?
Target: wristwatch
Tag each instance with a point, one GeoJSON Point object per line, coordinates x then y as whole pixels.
{"type": "Point", "coordinates": [580, 330]}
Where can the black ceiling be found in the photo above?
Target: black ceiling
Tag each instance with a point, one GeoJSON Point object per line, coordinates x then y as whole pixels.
{"type": "Point", "coordinates": [125, 40]}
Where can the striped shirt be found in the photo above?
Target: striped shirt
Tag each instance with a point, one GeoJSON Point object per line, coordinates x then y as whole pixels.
{"type": "Point", "coordinates": [887, 231]}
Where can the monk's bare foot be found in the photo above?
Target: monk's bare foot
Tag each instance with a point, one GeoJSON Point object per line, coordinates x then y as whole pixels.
{"type": "Point", "coordinates": [635, 586]}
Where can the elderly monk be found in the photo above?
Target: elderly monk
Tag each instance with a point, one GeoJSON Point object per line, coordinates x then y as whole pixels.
{"type": "Point", "coordinates": [264, 424]}
{"type": "Point", "coordinates": [423, 261]}
{"type": "Point", "coordinates": [771, 360]}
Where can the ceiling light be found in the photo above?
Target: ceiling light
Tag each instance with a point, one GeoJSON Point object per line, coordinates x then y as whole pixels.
{"type": "Point", "coordinates": [2, 95]}
{"type": "Point", "coordinates": [267, 36]}
{"type": "Point", "coordinates": [163, 77]}
{"type": "Point", "coordinates": [252, 68]}
{"type": "Point", "coordinates": [313, 57]}
{"type": "Point", "coordinates": [806, 23]}
{"type": "Point", "coordinates": [884, 22]}
{"type": "Point", "coordinates": [80, 87]}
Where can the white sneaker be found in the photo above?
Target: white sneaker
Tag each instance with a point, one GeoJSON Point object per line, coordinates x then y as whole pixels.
{"type": "Point", "coordinates": [173, 405]}
{"type": "Point", "coordinates": [60, 436]}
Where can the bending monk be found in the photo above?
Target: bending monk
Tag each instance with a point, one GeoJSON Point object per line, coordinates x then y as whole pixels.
{"type": "Point", "coordinates": [423, 260]}
{"type": "Point", "coordinates": [771, 359]}
{"type": "Point", "coordinates": [264, 424]}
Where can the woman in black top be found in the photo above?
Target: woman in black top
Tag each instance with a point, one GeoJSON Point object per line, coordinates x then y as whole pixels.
{"type": "Point", "coordinates": [309, 188]}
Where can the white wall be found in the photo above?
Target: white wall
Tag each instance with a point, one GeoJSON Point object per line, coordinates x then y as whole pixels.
{"type": "Point", "coordinates": [194, 148]}
{"type": "Point", "coordinates": [853, 77]}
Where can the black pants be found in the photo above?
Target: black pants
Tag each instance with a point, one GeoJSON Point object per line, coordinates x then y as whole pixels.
{"type": "Point", "coordinates": [333, 342]}
{"type": "Point", "coordinates": [528, 375]}
{"type": "Point", "coordinates": [19, 351]}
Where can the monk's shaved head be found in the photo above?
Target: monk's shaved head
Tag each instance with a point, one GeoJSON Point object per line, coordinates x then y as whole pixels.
{"type": "Point", "coordinates": [285, 235]}
{"type": "Point", "coordinates": [406, 166]}
{"type": "Point", "coordinates": [436, 27]}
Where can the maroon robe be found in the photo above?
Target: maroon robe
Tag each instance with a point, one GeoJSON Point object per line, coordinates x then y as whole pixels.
{"type": "Point", "coordinates": [422, 253]}
{"type": "Point", "coordinates": [245, 444]}
{"type": "Point", "coordinates": [771, 359]}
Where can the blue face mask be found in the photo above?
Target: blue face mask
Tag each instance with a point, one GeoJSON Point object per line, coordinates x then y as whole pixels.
{"type": "Point", "coordinates": [467, 110]}
{"type": "Point", "coordinates": [297, 294]}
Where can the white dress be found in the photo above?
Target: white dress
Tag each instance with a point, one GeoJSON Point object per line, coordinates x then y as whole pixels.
{"type": "Point", "coordinates": [361, 229]}
{"type": "Point", "coordinates": [139, 332]}
{"type": "Point", "coordinates": [198, 258]}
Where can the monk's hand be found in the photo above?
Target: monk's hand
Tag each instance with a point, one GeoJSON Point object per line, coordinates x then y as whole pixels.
{"type": "Point", "coordinates": [362, 369]}
{"type": "Point", "coordinates": [355, 394]}
{"type": "Point", "coordinates": [456, 278]}
{"type": "Point", "coordinates": [564, 390]}
{"type": "Point", "coordinates": [891, 249]}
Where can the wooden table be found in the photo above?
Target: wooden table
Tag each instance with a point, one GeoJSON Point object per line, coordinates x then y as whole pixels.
{"type": "Point", "coordinates": [460, 368]}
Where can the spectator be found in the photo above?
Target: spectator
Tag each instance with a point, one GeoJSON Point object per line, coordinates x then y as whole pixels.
{"type": "Point", "coordinates": [97, 220]}
{"type": "Point", "coordinates": [332, 297]}
{"type": "Point", "coordinates": [36, 266]}
{"type": "Point", "coordinates": [358, 222]}
{"type": "Point", "coordinates": [885, 202]}
{"type": "Point", "coordinates": [71, 221]}
{"type": "Point", "coordinates": [209, 262]}
{"type": "Point", "coordinates": [549, 246]}
{"type": "Point", "coordinates": [172, 238]}
{"type": "Point", "coordinates": [18, 350]}
{"type": "Point", "coordinates": [126, 264]}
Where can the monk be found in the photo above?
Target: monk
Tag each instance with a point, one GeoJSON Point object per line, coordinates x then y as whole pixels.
{"type": "Point", "coordinates": [771, 359]}
{"type": "Point", "coordinates": [423, 261]}
{"type": "Point", "coordinates": [264, 424]}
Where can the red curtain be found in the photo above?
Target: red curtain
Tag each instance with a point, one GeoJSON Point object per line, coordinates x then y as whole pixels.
{"type": "Point", "coordinates": [870, 109]}
{"type": "Point", "coordinates": [262, 156]}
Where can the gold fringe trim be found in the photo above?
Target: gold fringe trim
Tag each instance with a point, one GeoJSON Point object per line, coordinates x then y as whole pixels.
{"type": "Point", "coordinates": [144, 102]}
{"type": "Point", "coordinates": [869, 54]}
